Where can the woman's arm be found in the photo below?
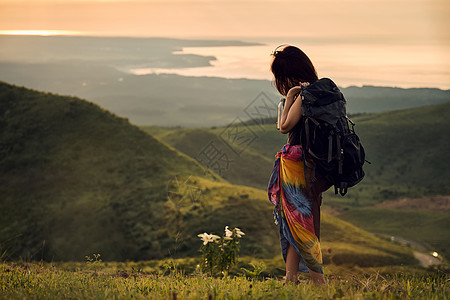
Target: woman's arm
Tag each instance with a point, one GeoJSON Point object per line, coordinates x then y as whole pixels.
{"type": "Point", "coordinates": [292, 110]}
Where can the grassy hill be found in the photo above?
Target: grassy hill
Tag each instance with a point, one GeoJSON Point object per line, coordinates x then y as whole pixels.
{"type": "Point", "coordinates": [77, 180]}
{"type": "Point", "coordinates": [409, 151]}
{"type": "Point", "coordinates": [239, 166]}
{"type": "Point", "coordinates": [429, 228]}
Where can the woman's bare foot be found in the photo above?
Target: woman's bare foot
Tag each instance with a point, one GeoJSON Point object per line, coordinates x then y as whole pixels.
{"type": "Point", "coordinates": [289, 278]}
{"type": "Point", "coordinates": [317, 278]}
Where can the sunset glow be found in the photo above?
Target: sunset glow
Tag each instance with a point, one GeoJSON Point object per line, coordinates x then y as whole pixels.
{"type": "Point", "coordinates": [382, 42]}
{"type": "Point", "coordinates": [40, 32]}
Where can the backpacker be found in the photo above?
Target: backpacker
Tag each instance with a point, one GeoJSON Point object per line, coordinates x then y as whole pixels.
{"type": "Point", "coordinates": [331, 148]}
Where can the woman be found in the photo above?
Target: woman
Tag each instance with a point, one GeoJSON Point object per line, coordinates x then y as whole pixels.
{"type": "Point", "coordinates": [297, 209]}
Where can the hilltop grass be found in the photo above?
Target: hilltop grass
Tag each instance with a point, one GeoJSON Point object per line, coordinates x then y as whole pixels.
{"type": "Point", "coordinates": [106, 281]}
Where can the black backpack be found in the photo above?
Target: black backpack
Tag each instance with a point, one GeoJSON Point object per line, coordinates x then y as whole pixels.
{"type": "Point", "coordinates": [331, 148]}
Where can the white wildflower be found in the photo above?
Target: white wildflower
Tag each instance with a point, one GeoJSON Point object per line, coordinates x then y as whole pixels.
{"type": "Point", "coordinates": [239, 233]}
{"type": "Point", "coordinates": [228, 232]}
{"type": "Point", "coordinates": [214, 237]}
{"type": "Point", "coordinates": [208, 238]}
{"type": "Point", "coordinates": [204, 238]}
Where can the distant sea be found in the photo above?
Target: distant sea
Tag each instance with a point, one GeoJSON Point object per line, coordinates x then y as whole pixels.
{"type": "Point", "coordinates": [357, 62]}
{"type": "Point", "coordinates": [349, 61]}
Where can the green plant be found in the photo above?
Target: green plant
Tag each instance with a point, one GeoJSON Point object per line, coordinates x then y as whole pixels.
{"type": "Point", "coordinates": [3, 255]}
{"type": "Point", "coordinates": [171, 267]}
{"type": "Point", "coordinates": [257, 270]}
{"type": "Point", "coordinates": [94, 262]}
{"type": "Point", "coordinates": [220, 253]}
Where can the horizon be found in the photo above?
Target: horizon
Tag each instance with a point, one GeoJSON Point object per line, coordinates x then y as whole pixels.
{"type": "Point", "coordinates": [378, 42]}
{"type": "Point", "coordinates": [252, 60]}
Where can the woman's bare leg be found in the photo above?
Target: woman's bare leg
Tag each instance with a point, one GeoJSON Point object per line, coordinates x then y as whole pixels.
{"type": "Point", "coordinates": [317, 278]}
{"type": "Point", "coordinates": [292, 261]}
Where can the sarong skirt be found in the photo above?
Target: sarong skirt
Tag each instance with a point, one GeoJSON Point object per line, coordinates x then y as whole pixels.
{"type": "Point", "coordinates": [293, 208]}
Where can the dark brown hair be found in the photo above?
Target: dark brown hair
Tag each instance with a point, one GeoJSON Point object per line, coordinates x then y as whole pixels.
{"type": "Point", "coordinates": [290, 67]}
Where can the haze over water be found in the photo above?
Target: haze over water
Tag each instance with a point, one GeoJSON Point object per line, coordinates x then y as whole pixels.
{"type": "Point", "coordinates": [396, 64]}
{"type": "Point", "coordinates": [403, 43]}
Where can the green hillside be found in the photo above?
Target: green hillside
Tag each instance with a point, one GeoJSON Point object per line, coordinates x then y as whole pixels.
{"type": "Point", "coordinates": [77, 180]}
{"type": "Point", "coordinates": [410, 155]}
{"type": "Point", "coordinates": [430, 228]}
{"type": "Point", "coordinates": [409, 151]}
{"type": "Point", "coordinates": [409, 148]}
{"type": "Point", "coordinates": [237, 165]}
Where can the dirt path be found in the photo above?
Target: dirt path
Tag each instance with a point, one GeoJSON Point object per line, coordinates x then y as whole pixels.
{"type": "Point", "coordinates": [426, 260]}
{"type": "Point", "coordinates": [436, 203]}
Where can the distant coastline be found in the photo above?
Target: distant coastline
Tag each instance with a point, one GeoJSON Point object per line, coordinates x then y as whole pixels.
{"type": "Point", "coordinates": [193, 83]}
{"type": "Point", "coordinates": [349, 63]}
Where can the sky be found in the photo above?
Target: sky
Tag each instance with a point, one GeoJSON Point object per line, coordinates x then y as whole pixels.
{"type": "Point", "coordinates": [423, 19]}
{"type": "Point", "coordinates": [412, 35]}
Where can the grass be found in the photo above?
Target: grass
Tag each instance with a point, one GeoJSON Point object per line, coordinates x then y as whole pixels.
{"type": "Point", "coordinates": [125, 281]}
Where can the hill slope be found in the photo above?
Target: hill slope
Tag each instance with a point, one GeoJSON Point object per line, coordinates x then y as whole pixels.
{"type": "Point", "coordinates": [77, 180]}
{"type": "Point", "coordinates": [78, 177]}
{"type": "Point", "coordinates": [409, 151]}
{"type": "Point", "coordinates": [410, 155]}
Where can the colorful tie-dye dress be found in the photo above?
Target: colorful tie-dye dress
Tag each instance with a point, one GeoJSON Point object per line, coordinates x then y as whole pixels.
{"type": "Point", "coordinates": [293, 208]}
